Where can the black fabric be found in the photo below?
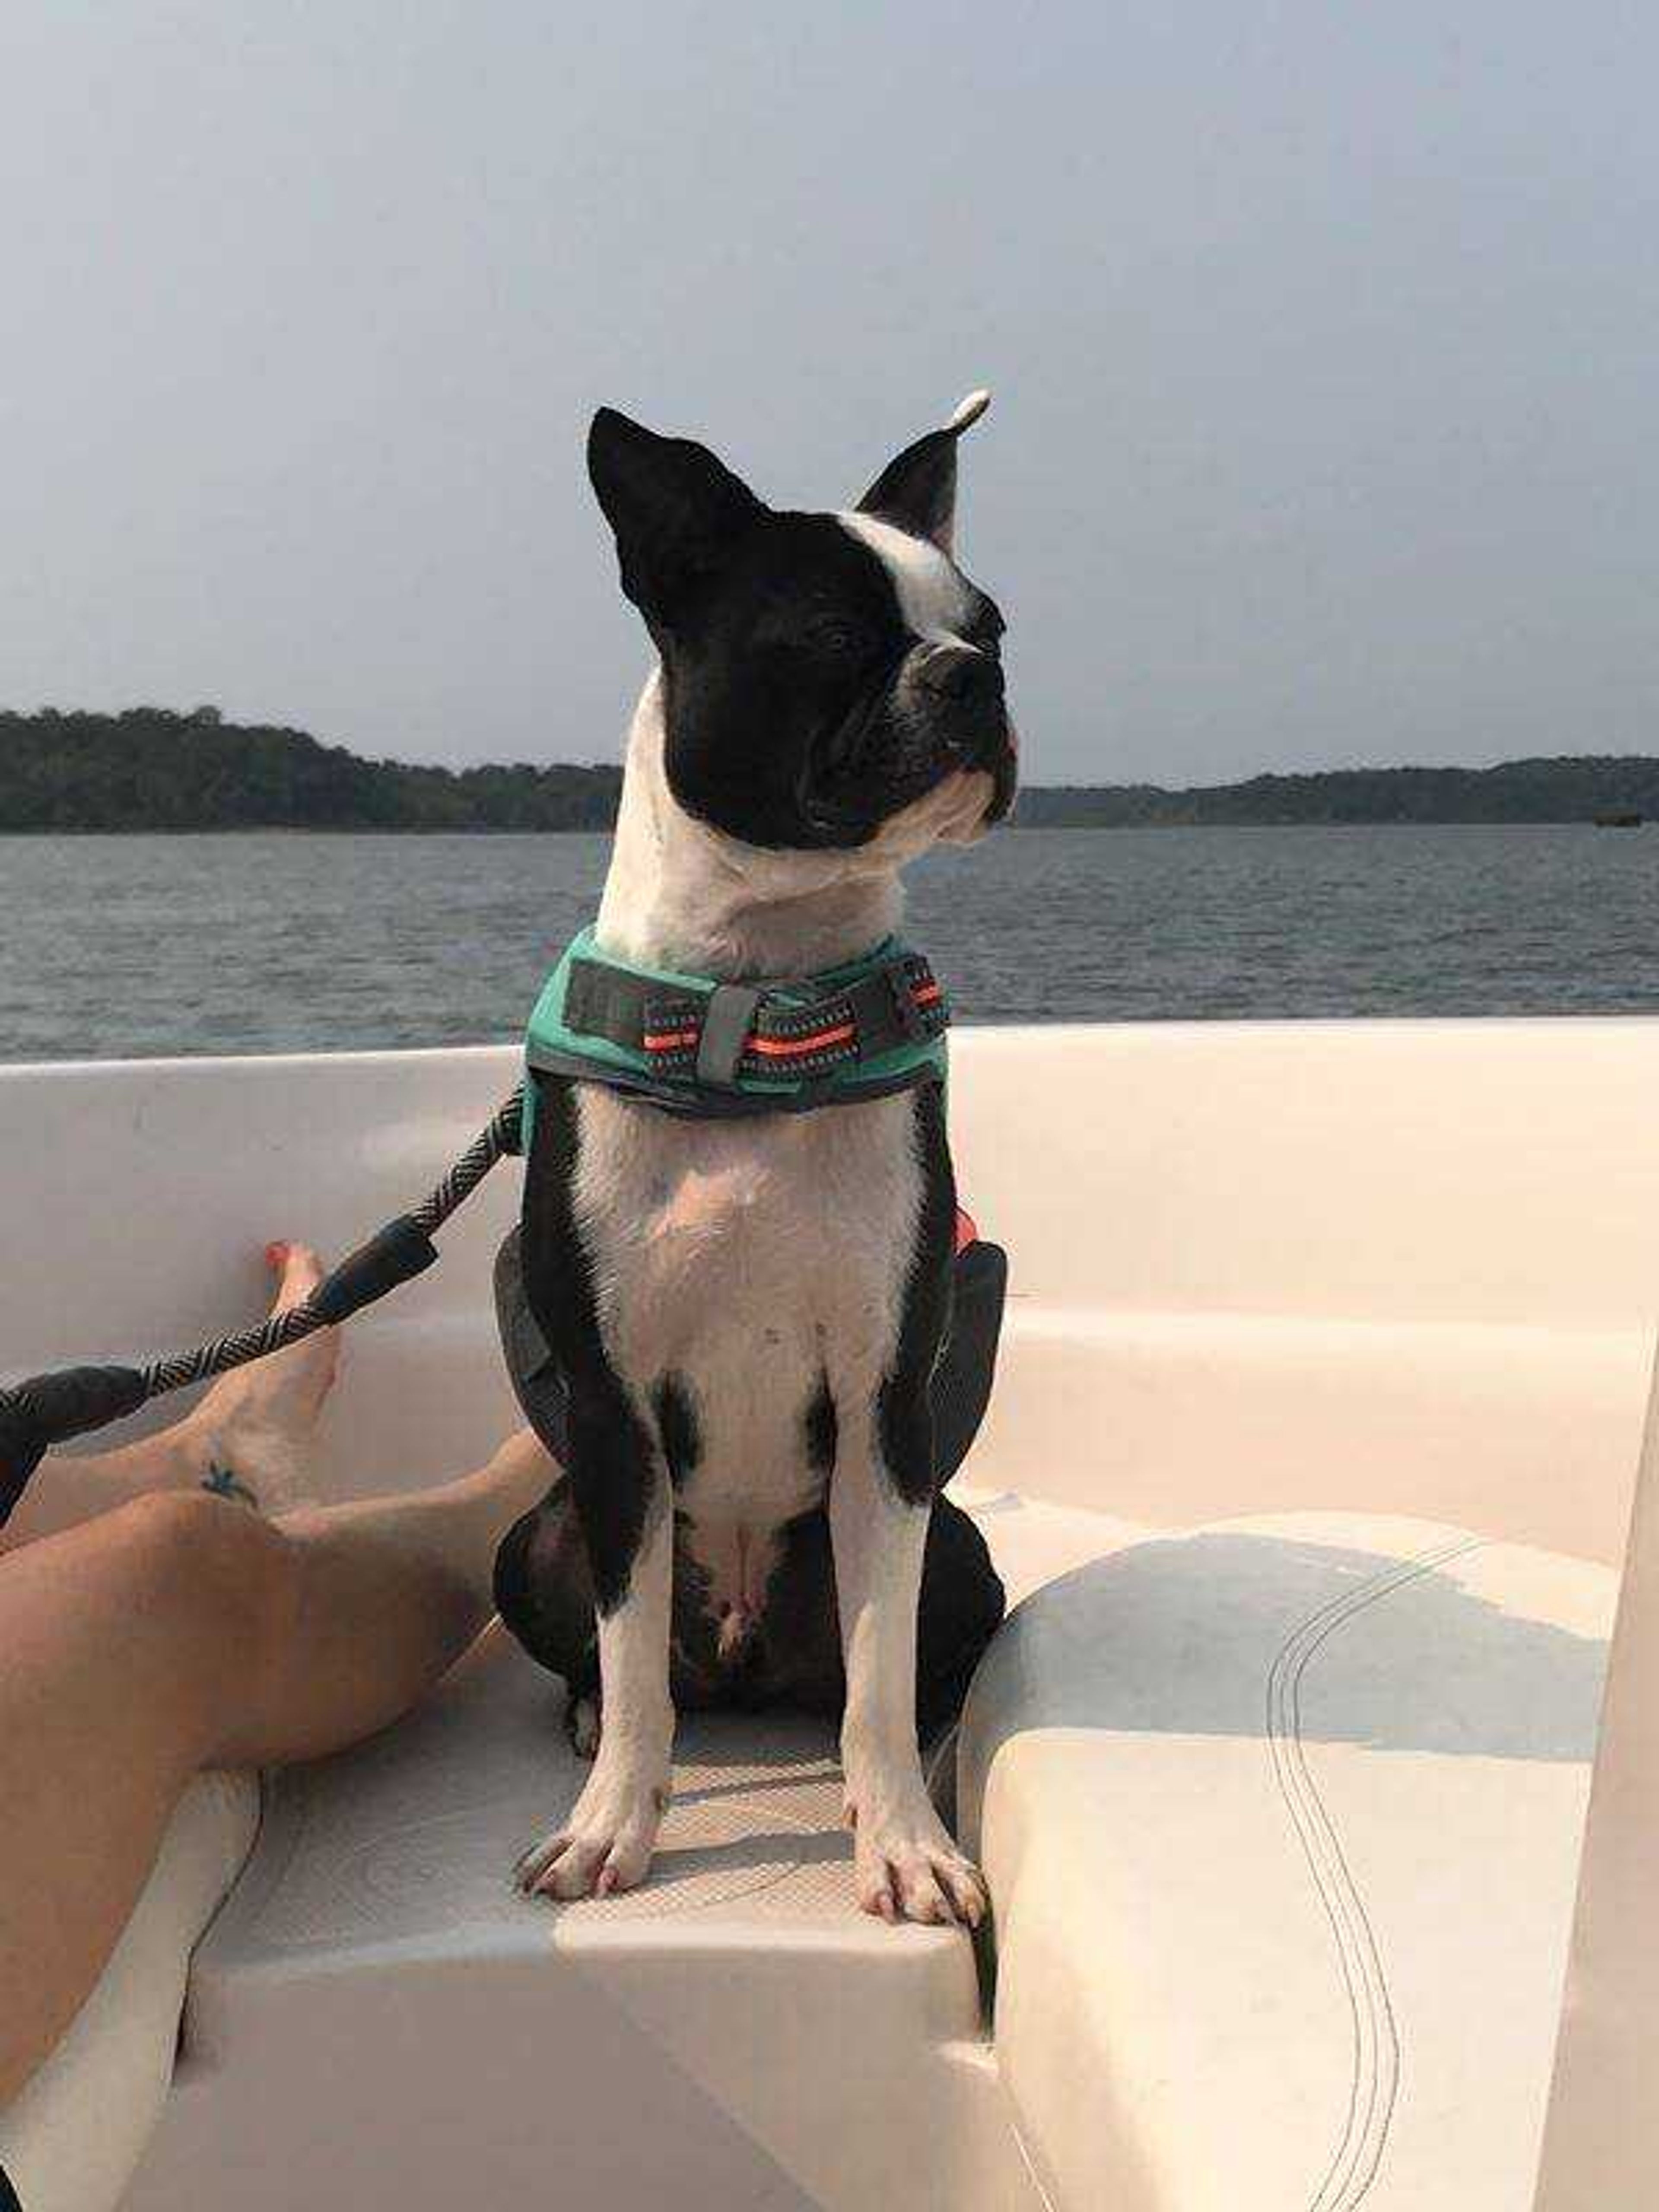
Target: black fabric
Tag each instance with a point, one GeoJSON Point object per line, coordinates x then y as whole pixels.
{"type": "Point", "coordinates": [21, 1451]}
{"type": "Point", "coordinates": [392, 1255]}
{"type": "Point", "coordinates": [10, 2200]}
{"type": "Point", "coordinates": [963, 1380]}
{"type": "Point", "coordinates": [48, 1409]}
{"type": "Point", "coordinates": [606, 1002]}
{"type": "Point", "coordinates": [537, 1382]}
{"type": "Point", "coordinates": [700, 1105]}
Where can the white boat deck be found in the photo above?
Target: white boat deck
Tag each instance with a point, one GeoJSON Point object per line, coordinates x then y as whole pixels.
{"type": "Point", "coordinates": [1391, 1271]}
{"type": "Point", "coordinates": [380, 1897]}
{"type": "Point", "coordinates": [410, 1840]}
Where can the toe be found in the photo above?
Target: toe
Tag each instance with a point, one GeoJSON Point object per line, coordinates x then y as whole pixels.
{"type": "Point", "coordinates": [298, 1271]}
{"type": "Point", "coordinates": [912, 1879]}
{"type": "Point", "coordinates": [965, 1886]}
{"type": "Point", "coordinates": [873, 1880]}
{"type": "Point", "coordinates": [575, 1873]}
{"type": "Point", "coordinates": [626, 1866]}
{"type": "Point", "coordinates": [536, 1861]}
{"type": "Point", "coordinates": [920, 1894]}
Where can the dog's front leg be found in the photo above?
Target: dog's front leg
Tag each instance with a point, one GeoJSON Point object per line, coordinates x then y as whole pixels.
{"type": "Point", "coordinates": [905, 1864]}
{"type": "Point", "coordinates": [607, 1840]}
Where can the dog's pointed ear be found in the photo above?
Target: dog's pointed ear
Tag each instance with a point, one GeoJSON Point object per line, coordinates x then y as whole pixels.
{"type": "Point", "coordinates": [917, 492]}
{"type": "Point", "coordinates": [676, 511]}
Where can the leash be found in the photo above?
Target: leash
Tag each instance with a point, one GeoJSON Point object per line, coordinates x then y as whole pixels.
{"type": "Point", "coordinates": [687, 1044]}
{"type": "Point", "coordinates": [67, 1402]}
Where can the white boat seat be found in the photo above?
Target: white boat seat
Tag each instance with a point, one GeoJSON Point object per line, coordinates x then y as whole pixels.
{"type": "Point", "coordinates": [439, 2040]}
{"type": "Point", "coordinates": [71, 2139]}
{"type": "Point", "coordinates": [1281, 1819]}
{"type": "Point", "coordinates": [375, 1868]}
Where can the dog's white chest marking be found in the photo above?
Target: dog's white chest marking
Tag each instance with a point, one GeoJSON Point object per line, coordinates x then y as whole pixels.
{"type": "Point", "coordinates": [755, 1262]}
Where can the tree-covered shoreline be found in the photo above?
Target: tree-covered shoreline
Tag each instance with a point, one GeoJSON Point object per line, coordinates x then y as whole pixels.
{"type": "Point", "coordinates": [153, 768]}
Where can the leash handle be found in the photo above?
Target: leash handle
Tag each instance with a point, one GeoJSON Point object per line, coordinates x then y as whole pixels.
{"type": "Point", "coordinates": [70, 1402]}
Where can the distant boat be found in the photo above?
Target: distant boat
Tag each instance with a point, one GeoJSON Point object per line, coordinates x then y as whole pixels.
{"type": "Point", "coordinates": [1620, 820]}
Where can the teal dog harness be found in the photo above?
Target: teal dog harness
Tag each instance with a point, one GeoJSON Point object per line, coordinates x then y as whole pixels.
{"type": "Point", "coordinates": [692, 1045]}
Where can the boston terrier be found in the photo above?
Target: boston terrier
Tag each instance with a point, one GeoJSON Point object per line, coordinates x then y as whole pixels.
{"type": "Point", "coordinates": [745, 1314]}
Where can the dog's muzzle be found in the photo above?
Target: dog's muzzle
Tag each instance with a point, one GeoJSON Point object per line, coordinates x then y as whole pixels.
{"type": "Point", "coordinates": [966, 689]}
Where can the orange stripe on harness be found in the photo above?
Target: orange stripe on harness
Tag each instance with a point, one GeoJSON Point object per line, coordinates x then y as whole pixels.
{"type": "Point", "coordinates": [785, 1047]}
{"type": "Point", "coordinates": [926, 994]}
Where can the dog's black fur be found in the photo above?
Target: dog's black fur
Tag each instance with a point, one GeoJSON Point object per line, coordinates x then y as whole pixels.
{"type": "Point", "coordinates": [802, 712]}
{"type": "Point", "coordinates": [794, 721]}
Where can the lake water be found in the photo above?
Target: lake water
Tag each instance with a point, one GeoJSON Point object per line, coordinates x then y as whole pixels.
{"type": "Point", "coordinates": [144, 944]}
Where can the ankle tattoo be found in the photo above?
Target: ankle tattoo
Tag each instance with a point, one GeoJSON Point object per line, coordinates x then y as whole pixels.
{"type": "Point", "coordinates": [223, 1483]}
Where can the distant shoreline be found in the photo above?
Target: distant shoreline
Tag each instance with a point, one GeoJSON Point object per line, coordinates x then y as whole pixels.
{"type": "Point", "coordinates": [151, 770]}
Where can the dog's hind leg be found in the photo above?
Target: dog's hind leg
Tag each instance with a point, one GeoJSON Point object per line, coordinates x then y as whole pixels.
{"type": "Point", "coordinates": [544, 1595]}
{"type": "Point", "coordinates": [961, 1605]}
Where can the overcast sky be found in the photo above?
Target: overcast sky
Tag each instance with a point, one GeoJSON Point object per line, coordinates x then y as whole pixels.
{"type": "Point", "coordinates": [1323, 338]}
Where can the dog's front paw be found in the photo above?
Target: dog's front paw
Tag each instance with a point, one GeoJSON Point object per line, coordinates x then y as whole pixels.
{"type": "Point", "coordinates": [606, 1842]}
{"type": "Point", "coordinates": [905, 1865]}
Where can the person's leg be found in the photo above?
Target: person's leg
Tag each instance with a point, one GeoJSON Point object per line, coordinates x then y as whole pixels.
{"type": "Point", "coordinates": [182, 1631]}
{"type": "Point", "coordinates": [255, 1424]}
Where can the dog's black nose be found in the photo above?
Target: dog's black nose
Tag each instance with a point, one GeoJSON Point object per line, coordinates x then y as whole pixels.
{"type": "Point", "coordinates": [962, 674]}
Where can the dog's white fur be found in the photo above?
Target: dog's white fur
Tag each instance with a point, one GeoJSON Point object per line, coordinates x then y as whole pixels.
{"type": "Point", "coordinates": [754, 1257]}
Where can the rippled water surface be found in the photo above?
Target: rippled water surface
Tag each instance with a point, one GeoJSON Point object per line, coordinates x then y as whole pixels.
{"type": "Point", "coordinates": [144, 944]}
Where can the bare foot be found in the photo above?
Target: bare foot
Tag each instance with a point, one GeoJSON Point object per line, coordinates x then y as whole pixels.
{"type": "Point", "coordinates": [259, 1423]}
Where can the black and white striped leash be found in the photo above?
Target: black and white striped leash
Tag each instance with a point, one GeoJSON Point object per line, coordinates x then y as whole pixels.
{"type": "Point", "coordinates": [48, 1409]}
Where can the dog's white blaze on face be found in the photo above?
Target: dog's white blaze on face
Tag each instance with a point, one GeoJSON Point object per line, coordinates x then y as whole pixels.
{"type": "Point", "coordinates": [932, 595]}
{"type": "Point", "coordinates": [936, 602]}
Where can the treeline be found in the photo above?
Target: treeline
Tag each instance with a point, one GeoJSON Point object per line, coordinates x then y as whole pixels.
{"type": "Point", "coordinates": [1574, 788]}
{"type": "Point", "coordinates": [151, 768]}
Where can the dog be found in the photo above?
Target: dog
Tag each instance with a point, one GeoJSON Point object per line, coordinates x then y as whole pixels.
{"type": "Point", "coordinates": [743, 1318]}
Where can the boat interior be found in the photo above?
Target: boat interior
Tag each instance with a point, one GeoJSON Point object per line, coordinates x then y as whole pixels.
{"type": "Point", "coordinates": [1309, 1470]}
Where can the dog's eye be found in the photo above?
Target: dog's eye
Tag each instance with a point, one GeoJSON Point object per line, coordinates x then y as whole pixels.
{"type": "Point", "coordinates": [839, 639]}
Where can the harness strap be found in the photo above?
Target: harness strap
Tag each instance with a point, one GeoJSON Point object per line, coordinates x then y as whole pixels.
{"type": "Point", "coordinates": [724, 1033]}
{"type": "Point", "coordinates": [729, 1033]}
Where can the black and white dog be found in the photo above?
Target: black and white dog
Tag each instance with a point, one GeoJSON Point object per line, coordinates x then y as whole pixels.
{"type": "Point", "coordinates": [746, 1314]}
